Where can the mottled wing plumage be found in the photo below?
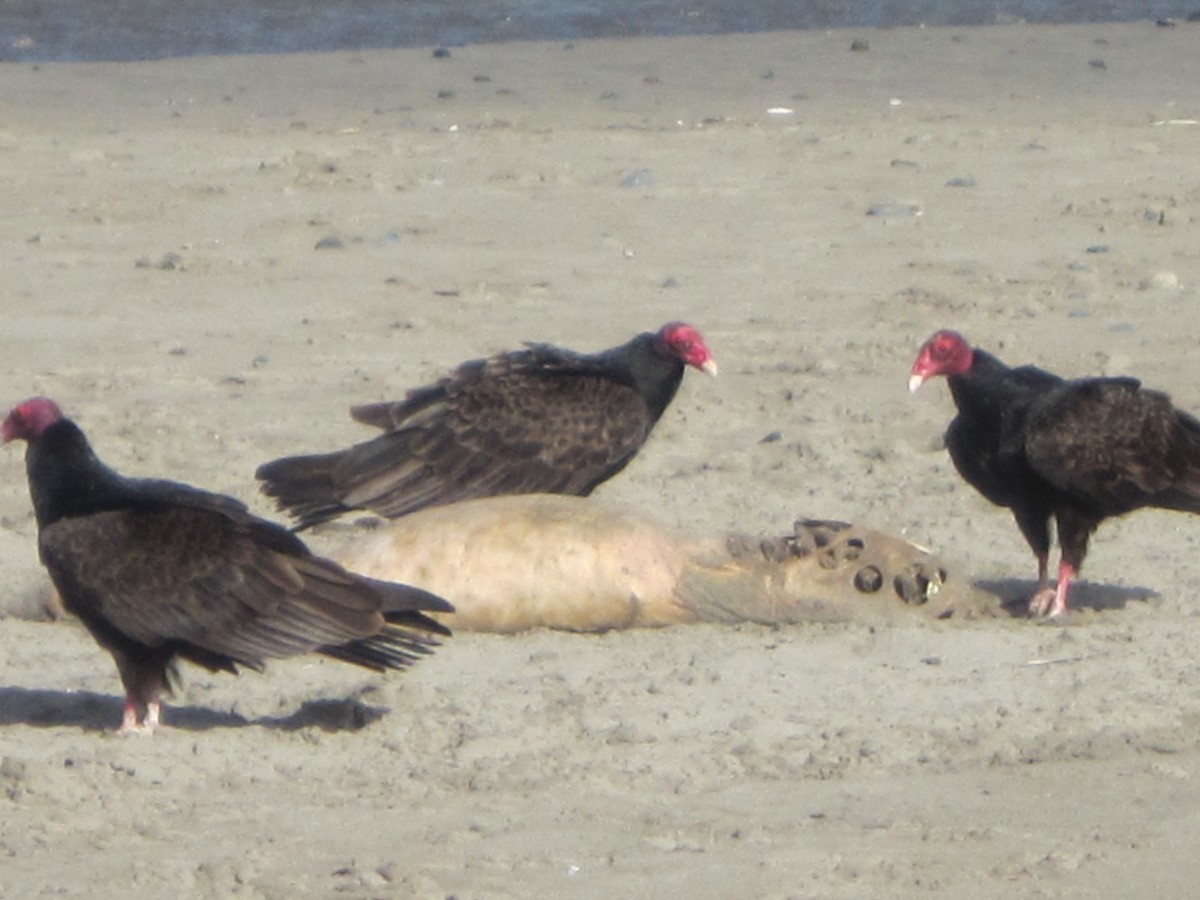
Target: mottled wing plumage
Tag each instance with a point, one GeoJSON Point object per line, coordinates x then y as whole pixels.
{"type": "Point", "coordinates": [1071, 452]}
{"type": "Point", "coordinates": [469, 378]}
{"type": "Point", "coordinates": [158, 571]}
{"type": "Point", "coordinates": [535, 421]}
{"type": "Point", "coordinates": [179, 576]}
{"type": "Point", "coordinates": [1113, 447]}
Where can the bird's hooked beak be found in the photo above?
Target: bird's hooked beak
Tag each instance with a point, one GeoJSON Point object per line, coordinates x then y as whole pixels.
{"type": "Point", "coordinates": [915, 380]}
{"type": "Point", "coordinates": [709, 367]}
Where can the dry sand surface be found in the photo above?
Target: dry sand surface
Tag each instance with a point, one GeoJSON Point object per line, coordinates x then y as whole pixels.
{"type": "Point", "coordinates": [169, 279]}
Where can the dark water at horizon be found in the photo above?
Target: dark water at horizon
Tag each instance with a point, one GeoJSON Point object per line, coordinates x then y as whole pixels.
{"type": "Point", "coordinates": [44, 30]}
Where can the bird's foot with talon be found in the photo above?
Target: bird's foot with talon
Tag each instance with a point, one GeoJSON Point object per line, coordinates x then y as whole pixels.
{"type": "Point", "coordinates": [130, 724]}
{"type": "Point", "coordinates": [1047, 604]}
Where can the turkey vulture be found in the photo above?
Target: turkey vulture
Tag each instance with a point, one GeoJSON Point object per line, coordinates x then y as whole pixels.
{"type": "Point", "coordinates": [538, 420]}
{"type": "Point", "coordinates": [1079, 451]}
{"type": "Point", "coordinates": [158, 570]}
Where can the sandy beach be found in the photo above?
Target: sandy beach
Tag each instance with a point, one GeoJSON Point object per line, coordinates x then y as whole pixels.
{"type": "Point", "coordinates": [207, 261]}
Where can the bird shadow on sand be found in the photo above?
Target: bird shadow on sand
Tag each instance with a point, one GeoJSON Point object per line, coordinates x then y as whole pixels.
{"type": "Point", "coordinates": [102, 712]}
{"type": "Point", "coordinates": [1014, 594]}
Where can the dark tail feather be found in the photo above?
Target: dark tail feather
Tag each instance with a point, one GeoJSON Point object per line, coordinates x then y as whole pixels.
{"type": "Point", "coordinates": [302, 486]}
{"type": "Point", "coordinates": [1184, 498]}
{"type": "Point", "coordinates": [404, 597]}
{"type": "Point", "coordinates": [405, 605]}
{"type": "Point", "coordinates": [392, 648]}
{"type": "Point", "coordinates": [408, 635]}
{"type": "Point", "coordinates": [377, 414]}
{"type": "Point", "coordinates": [1184, 494]}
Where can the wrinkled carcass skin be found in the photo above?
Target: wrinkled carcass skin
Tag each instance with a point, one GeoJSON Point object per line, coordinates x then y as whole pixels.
{"type": "Point", "coordinates": [516, 563]}
{"type": "Point", "coordinates": [539, 560]}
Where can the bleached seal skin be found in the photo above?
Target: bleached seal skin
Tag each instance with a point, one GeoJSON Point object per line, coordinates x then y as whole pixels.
{"type": "Point", "coordinates": [534, 560]}
{"type": "Point", "coordinates": [509, 564]}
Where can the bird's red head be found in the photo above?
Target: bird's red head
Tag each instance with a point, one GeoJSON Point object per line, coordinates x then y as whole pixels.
{"type": "Point", "coordinates": [28, 420]}
{"type": "Point", "coordinates": [946, 353]}
{"type": "Point", "coordinates": [678, 340]}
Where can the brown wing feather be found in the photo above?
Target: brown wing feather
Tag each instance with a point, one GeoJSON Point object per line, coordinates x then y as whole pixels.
{"type": "Point", "coordinates": [535, 358]}
{"type": "Point", "coordinates": [520, 432]}
{"type": "Point", "coordinates": [1114, 446]}
{"type": "Point", "coordinates": [200, 577]}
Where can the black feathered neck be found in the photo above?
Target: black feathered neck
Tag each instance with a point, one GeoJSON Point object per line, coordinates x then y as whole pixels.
{"type": "Point", "coordinates": [990, 389]}
{"type": "Point", "coordinates": [643, 367]}
{"type": "Point", "coordinates": [987, 377]}
{"type": "Point", "coordinates": [987, 368]}
{"type": "Point", "coordinates": [67, 479]}
{"type": "Point", "coordinates": [65, 476]}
